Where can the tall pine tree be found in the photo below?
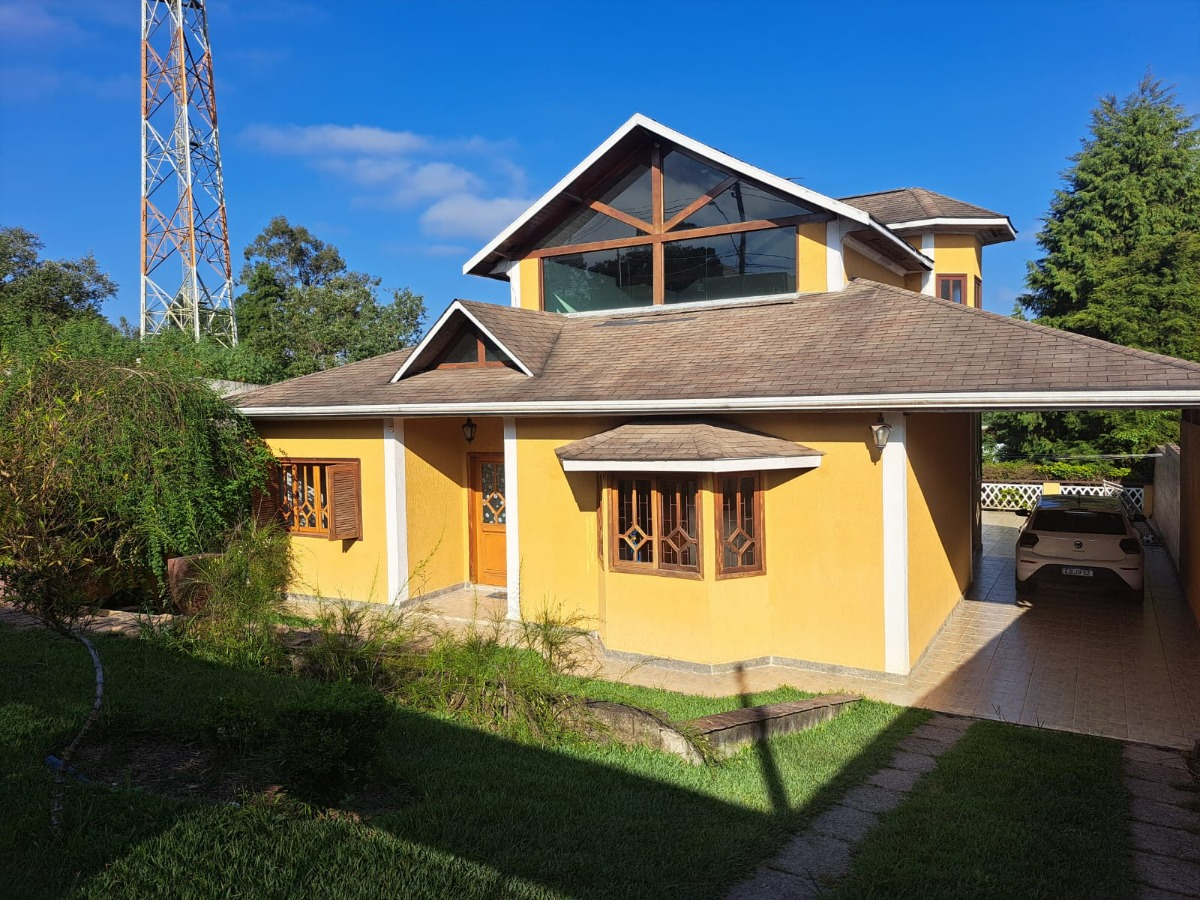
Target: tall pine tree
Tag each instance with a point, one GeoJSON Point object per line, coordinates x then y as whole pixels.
{"type": "Point", "coordinates": [1122, 262]}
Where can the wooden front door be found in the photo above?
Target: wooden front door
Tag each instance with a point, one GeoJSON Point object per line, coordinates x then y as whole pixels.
{"type": "Point", "coordinates": [489, 544]}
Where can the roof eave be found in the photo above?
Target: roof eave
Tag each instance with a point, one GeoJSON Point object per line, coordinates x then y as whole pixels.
{"type": "Point", "coordinates": [1000, 224]}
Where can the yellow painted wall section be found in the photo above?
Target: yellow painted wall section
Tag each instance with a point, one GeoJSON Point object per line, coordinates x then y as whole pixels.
{"type": "Point", "coordinates": [858, 266]}
{"type": "Point", "coordinates": [531, 283]}
{"type": "Point", "coordinates": [352, 570]}
{"type": "Point", "coordinates": [810, 257]}
{"type": "Point", "coordinates": [959, 254]}
{"type": "Point", "coordinates": [939, 521]}
{"type": "Point", "coordinates": [560, 564]}
{"type": "Point", "coordinates": [824, 538]}
{"type": "Point", "coordinates": [435, 461]}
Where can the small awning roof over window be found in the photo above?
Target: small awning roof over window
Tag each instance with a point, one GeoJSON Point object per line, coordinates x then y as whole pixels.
{"type": "Point", "coordinates": [684, 446]}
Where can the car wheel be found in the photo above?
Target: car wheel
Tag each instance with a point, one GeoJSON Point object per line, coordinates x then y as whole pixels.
{"type": "Point", "coordinates": [1138, 595]}
{"type": "Point", "coordinates": [1024, 587]}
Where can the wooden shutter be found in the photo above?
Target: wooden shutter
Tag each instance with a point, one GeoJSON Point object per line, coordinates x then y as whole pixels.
{"type": "Point", "coordinates": [345, 502]}
{"type": "Point", "coordinates": [264, 502]}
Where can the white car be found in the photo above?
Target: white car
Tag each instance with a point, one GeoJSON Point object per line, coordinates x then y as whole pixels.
{"type": "Point", "coordinates": [1082, 541]}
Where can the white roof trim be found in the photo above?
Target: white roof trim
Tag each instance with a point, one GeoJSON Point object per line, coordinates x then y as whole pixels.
{"type": "Point", "coordinates": [1001, 222]}
{"type": "Point", "coordinates": [748, 464]}
{"type": "Point", "coordinates": [947, 400]}
{"type": "Point", "coordinates": [782, 185]}
{"type": "Point", "coordinates": [456, 306]}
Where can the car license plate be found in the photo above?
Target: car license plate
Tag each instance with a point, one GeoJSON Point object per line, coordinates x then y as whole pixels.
{"type": "Point", "coordinates": [1077, 571]}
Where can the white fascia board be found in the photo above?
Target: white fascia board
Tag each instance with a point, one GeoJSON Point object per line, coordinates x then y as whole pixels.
{"type": "Point", "coordinates": [917, 224]}
{"type": "Point", "coordinates": [754, 464]}
{"type": "Point", "coordinates": [456, 306]}
{"type": "Point", "coordinates": [637, 120]}
{"type": "Point", "coordinates": [950, 400]}
{"type": "Point", "coordinates": [875, 256]}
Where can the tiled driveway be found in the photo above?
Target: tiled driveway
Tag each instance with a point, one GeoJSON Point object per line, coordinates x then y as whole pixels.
{"type": "Point", "coordinates": [1073, 660]}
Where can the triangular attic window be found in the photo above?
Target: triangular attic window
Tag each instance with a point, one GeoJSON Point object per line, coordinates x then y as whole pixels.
{"type": "Point", "coordinates": [469, 349]}
{"type": "Point", "coordinates": [586, 225]}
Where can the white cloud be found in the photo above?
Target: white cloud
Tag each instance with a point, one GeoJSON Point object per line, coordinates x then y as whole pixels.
{"type": "Point", "coordinates": [22, 20]}
{"type": "Point", "coordinates": [469, 187]}
{"type": "Point", "coordinates": [468, 215]}
{"type": "Point", "coordinates": [310, 140]}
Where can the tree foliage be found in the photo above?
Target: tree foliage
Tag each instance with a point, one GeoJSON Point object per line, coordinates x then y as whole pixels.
{"type": "Point", "coordinates": [304, 311]}
{"type": "Point", "coordinates": [106, 470]}
{"type": "Point", "coordinates": [1121, 262]}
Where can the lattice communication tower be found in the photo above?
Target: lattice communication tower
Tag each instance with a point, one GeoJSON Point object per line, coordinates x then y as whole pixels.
{"type": "Point", "coordinates": [183, 197]}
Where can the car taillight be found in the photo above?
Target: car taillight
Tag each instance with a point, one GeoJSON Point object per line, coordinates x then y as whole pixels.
{"type": "Point", "coordinates": [1131, 546]}
{"type": "Point", "coordinates": [1028, 540]}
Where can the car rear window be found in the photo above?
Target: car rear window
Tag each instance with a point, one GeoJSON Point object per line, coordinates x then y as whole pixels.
{"type": "Point", "coordinates": [1082, 521]}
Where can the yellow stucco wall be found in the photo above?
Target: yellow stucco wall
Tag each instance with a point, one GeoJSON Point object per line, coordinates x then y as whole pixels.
{"type": "Point", "coordinates": [858, 266]}
{"type": "Point", "coordinates": [435, 461]}
{"type": "Point", "coordinates": [353, 570]}
{"type": "Point", "coordinates": [810, 257]}
{"type": "Point", "coordinates": [531, 283]}
{"type": "Point", "coordinates": [821, 599]}
{"type": "Point", "coordinates": [959, 254]}
{"type": "Point", "coordinates": [939, 520]}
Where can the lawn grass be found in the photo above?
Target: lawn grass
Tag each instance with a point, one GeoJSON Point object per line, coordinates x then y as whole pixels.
{"type": "Point", "coordinates": [1009, 812]}
{"type": "Point", "coordinates": [496, 818]}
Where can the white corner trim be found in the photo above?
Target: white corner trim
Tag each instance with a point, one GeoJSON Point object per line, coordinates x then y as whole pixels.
{"type": "Point", "coordinates": [513, 272]}
{"type": "Point", "coordinates": [929, 279]}
{"type": "Point", "coordinates": [894, 459]}
{"type": "Point", "coordinates": [512, 524]}
{"type": "Point", "coordinates": [835, 266]}
{"type": "Point", "coordinates": [874, 256]}
{"type": "Point", "coordinates": [395, 492]}
{"type": "Point", "coordinates": [755, 464]}
{"type": "Point", "coordinates": [454, 307]}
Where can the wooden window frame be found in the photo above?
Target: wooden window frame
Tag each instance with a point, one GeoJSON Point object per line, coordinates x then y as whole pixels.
{"type": "Point", "coordinates": [659, 232]}
{"type": "Point", "coordinates": [978, 292]}
{"type": "Point", "coordinates": [656, 566]}
{"type": "Point", "coordinates": [962, 281]}
{"type": "Point", "coordinates": [342, 509]}
{"type": "Point", "coordinates": [759, 536]}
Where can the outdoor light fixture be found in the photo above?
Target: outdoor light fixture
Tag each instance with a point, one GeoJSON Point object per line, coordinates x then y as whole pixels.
{"type": "Point", "coordinates": [469, 428]}
{"type": "Point", "coordinates": [882, 431]}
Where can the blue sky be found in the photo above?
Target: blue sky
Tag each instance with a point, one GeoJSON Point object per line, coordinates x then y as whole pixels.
{"type": "Point", "coordinates": [408, 134]}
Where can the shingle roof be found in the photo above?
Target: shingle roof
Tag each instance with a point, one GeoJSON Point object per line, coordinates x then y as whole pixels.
{"type": "Point", "coordinates": [868, 344]}
{"type": "Point", "coordinates": [658, 440]}
{"type": "Point", "coordinates": [914, 204]}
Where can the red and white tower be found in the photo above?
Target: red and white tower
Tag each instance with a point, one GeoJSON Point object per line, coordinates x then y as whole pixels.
{"type": "Point", "coordinates": [183, 198]}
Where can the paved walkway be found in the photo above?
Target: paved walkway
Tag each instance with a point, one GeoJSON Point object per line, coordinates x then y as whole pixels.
{"type": "Point", "coordinates": [1164, 822]}
{"type": "Point", "coordinates": [820, 855]}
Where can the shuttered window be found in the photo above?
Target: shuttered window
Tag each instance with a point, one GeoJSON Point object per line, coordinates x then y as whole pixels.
{"type": "Point", "coordinates": [315, 497]}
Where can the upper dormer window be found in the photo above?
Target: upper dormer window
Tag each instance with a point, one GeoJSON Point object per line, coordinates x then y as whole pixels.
{"type": "Point", "coordinates": [670, 228]}
{"type": "Point", "coordinates": [470, 349]}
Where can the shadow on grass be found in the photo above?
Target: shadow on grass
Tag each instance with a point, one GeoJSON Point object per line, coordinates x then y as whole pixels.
{"type": "Point", "coordinates": [579, 821]}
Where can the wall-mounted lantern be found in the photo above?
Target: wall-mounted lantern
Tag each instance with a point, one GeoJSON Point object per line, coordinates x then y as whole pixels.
{"type": "Point", "coordinates": [882, 431]}
{"type": "Point", "coordinates": [470, 427]}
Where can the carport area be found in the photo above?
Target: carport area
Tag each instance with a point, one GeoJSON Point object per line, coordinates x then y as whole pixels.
{"type": "Point", "coordinates": [1067, 659]}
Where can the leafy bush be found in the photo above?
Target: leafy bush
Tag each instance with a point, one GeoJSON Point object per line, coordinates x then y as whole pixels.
{"type": "Point", "coordinates": [1025, 471]}
{"type": "Point", "coordinates": [320, 745]}
{"type": "Point", "coordinates": [364, 645]}
{"type": "Point", "coordinates": [245, 588]}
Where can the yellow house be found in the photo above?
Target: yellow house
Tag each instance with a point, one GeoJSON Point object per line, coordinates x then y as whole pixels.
{"type": "Point", "coordinates": [725, 417]}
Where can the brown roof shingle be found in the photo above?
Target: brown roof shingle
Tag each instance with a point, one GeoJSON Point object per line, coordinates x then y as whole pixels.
{"type": "Point", "coordinates": [658, 440]}
{"type": "Point", "coordinates": [913, 204]}
{"type": "Point", "coordinates": [869, 340]}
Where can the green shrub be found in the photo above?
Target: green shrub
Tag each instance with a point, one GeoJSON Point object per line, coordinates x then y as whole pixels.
{"type": "Point", "coordinates": [363, 645]}
{"type": "Point", "coordinates": [323, 746]}
{"type": "Point", "coordinates": [1026, 471]}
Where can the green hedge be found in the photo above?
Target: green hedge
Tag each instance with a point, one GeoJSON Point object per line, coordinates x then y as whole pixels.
{"type": "Point", "coordinates": [1076, 473]}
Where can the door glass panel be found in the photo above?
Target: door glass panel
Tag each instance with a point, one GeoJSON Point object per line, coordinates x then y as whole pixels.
{"type": "Point", "coordinates": [492, 493]}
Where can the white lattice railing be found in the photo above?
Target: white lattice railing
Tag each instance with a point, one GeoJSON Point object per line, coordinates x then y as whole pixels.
{"type": "Point", "coordinates": [995, 495]}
